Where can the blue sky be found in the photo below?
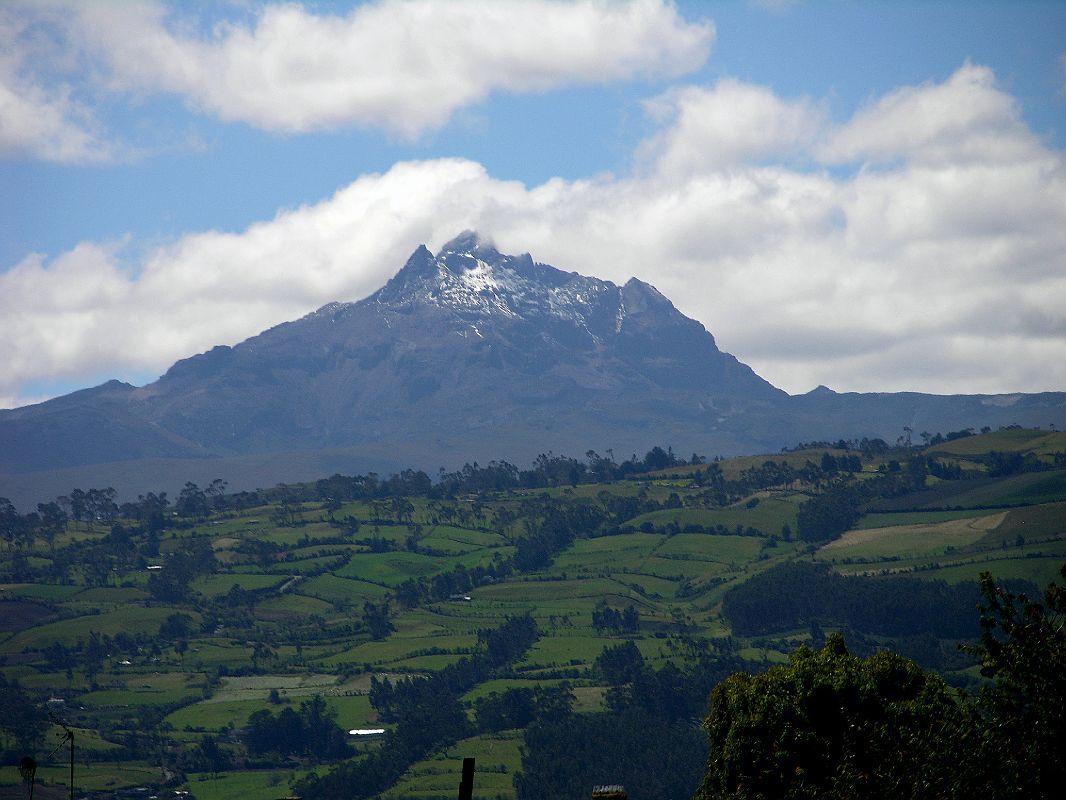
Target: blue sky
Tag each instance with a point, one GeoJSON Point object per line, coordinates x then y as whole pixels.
{"type": "Point", "coordinates": [866, 195]}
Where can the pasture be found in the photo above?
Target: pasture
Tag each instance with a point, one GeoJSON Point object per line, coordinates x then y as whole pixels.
{"type": "Point", "coordinates": [497, 759]}
{"type": "Point", "coordinates": [910, 541]}
{"type": "Point", "coordinates": [300, 626]}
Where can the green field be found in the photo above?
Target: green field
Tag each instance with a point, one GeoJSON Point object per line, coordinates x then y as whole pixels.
{"type": "Point", "coordinates": [911, 541]}
{"type": "Point", "coordinates": [127, 619]}
{"type": "Point", "coordinates": [148, 689]}
{"type": "Point", "coordinates": [892, 519]}
{"type": "Point", "coordinates": [96, 776]}
{"type": "Point", "coordinates": [1020, 440]}
{"type": "Point", "coordinates": [496, 760]}
{"type": "Point", "coordinates": [335, 589]}
{"type": "Point", "coordinates": [1015, 490]}
{"type": "Point", "coordinates": [243, 785]}
{"type": "Point", "coordinates": [325, 609]}
{"type": "Point", "coordinates": [772, 513]}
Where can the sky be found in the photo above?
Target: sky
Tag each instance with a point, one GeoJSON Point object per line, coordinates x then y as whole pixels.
{"type": "Point", "coordinates": [865, 195]}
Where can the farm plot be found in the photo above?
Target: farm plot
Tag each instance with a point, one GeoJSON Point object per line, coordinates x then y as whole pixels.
{"type": "Point", "coordinates": [769, 515]}
{"type": "Point", "coordinates": [1030, 523]}
{"type": "Point", "coordinates": [606, 554]}
{"type": "Point", "coordinates": [894, 518]}
{"type": "Point", "coordinates": [243, 785]}
{"type": "Point", "coordinates": [94, 776]}
{"type": "Point", "coordinates": [218, 585]}
{"type": "Point", "coordinates": [730, 550]}
{"type": "Point", "coordinates": [651, 587]}
{"type": "Point", "coordinates": [109, 595]}
{"type": "Point", "coordinates": [20, 614]}
{"type": "Point", "coordinates": [339, 590]}
{"type": "Point", "coordinates": [1020, 440]}
{"type": "Point", "coordinates": [497, 756]}
{"type": "Point", "coordinates": [126, 619]}
{"type": "Point", "coordinates": [910, 541]}
{"type": "Point", "coordinates": [218, 652]}
{"type": "Point", "coordinates": [1041, 571]}
{"type": "Point", "coordinates": [533, 591]}
{"type": "Point", "coordinates": [148, 690]}
{"type": "Point", "coordinates": [40, 591]}
{"type": "Point", "coordinates": [394, 652]}
{"type": "Point", "coordinates": [292, 605]}
{"type": "Point", "coordinates": [392, 569]}
{"type": "Point", "coordinates": [1025, 489]}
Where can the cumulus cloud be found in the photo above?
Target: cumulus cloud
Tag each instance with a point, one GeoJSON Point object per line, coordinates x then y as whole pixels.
{"type": "Point", "coordinates": [39, 119]}
{"type": "Point", "coordinates": [966, 119]}
{"type": "Point", "coordinates": [729, 124]}
{"type": "Point", "coordinates": [916, 271]}
{"type": "Point", "coordinates": [404, 66]}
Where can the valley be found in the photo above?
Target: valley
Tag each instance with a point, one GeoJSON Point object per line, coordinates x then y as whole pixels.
{"type": "Point", "coordinates": [158, 630]}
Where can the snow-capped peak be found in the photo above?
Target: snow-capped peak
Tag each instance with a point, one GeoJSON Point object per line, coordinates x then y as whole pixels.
{"type": "Point", "coordinates": [471, 278]}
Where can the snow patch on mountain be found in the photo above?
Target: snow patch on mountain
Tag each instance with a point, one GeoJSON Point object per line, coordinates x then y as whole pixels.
{"type": "Point", "coordinates": [473, 280]}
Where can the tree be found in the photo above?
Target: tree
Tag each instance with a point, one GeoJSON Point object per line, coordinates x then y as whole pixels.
{"type": "Point", "coordinates": [192, 502]}
{"type": "Point", "coordinates": [9, 522]}
{"type": "Point", "coordinates": [376, 620]}
{"type": "Point", "coordinates": [150, 509]}
{"type": "Point", "coordinates": [176, 626]}
{"type": "Point", "coordinates": [832, 725]}
{"type": "Point", "coordinates": [100, 504]}
{"type": "Point", "coordinates": [619, 664]}
{"type": "Point", "coordinates": [1023, 650]}
{"type": "Point", "coordinates": [22, 721]}
{"type": "Point", "coordinates": [78, 504]}
{"type": "Point", "coordinates": [217, 492]}
{"type": "Point", "coordinates": [171, 584]}
{"type": "Point", "coordinates": [210, 757]}
{"type": "Point", "coordinates": [53, 521]}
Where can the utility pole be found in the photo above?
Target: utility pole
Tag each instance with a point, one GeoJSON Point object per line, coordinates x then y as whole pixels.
{"type": "Point", "coordinates": [28, 771]}
{"type": "Point", "coordinates": [466, 786]}
{"type": "Point", "coordinates": [68, 736]}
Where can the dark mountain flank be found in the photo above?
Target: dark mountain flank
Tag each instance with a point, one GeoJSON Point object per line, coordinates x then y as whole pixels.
{"type": "Point", "coordinates": [467, 354]}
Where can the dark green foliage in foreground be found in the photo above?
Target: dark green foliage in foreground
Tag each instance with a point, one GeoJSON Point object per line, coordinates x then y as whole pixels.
{"type": "Point", "coordinates": [797, 594]}
{"type": "Point", "coordinates": [651, 757]}
{"type": "Point", "coordinates": [1023, 648]}
{"type": "Point", "coordinates": [832, 725]}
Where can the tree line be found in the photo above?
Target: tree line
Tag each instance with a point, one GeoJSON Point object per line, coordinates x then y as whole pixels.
{"type": "Point", "coordinates": [799, 594]}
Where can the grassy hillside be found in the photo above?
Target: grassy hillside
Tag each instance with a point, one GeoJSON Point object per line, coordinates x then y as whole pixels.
{"type": "Point", "coordinates": [159, 631]}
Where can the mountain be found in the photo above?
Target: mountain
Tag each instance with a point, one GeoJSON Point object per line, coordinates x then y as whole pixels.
{"type": "Point", "coordinates": [466, 354]}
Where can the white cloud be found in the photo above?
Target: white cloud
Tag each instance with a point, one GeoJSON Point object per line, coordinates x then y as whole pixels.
{"type": "Point", "coordinates": [43, 121]}
{"type": "Point", "coordinates": [401, 65]}
{"type": "Point", "coordinates": [729, 124]}
{"type": "Point", "coordinates": [966, 119]}
{"type": "Point", "coordinates": [934, 274]}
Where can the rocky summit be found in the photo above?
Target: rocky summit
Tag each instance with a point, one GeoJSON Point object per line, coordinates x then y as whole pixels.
{"type": "Point", "coordinates": [468, 354]}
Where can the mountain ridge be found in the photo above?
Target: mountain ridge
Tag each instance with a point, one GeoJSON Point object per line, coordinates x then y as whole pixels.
{"type": "Point", "coordinates": [467, 354]}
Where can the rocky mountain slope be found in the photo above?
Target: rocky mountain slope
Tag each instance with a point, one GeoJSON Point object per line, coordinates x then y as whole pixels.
{"type": "Point", "coordinates": [466, 354]}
